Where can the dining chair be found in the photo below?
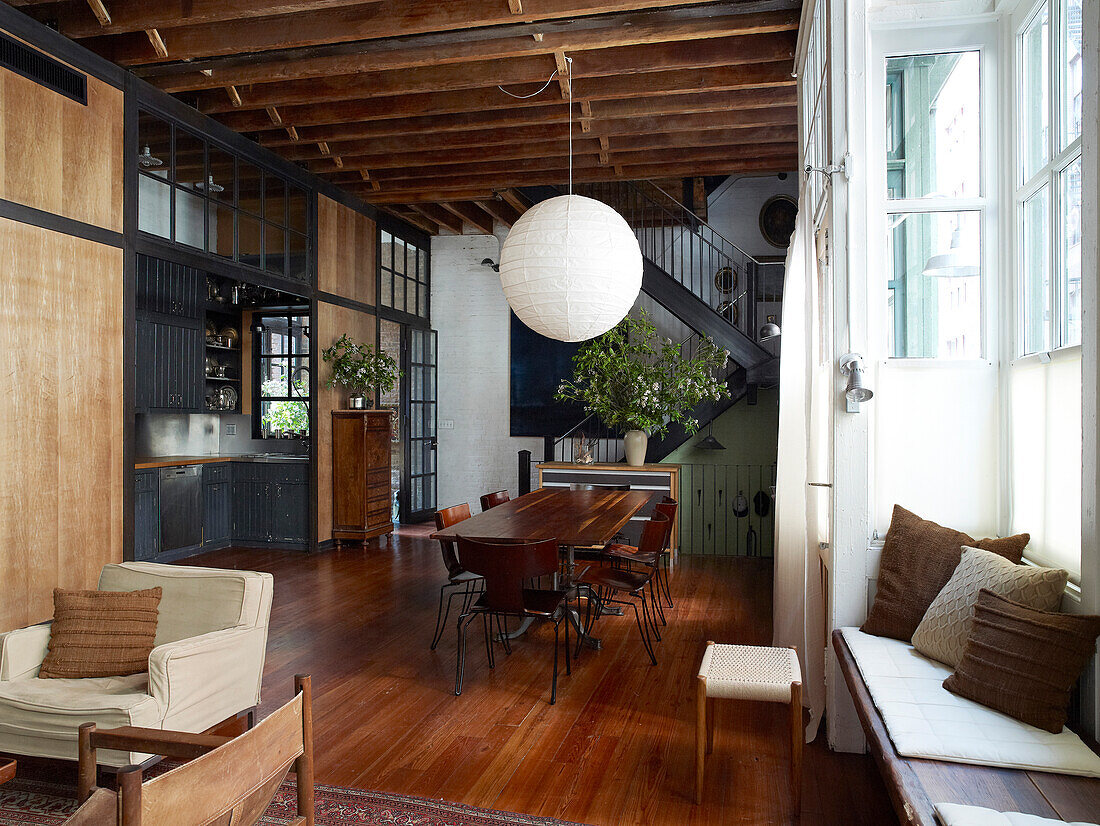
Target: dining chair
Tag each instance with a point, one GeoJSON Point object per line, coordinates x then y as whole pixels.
{"type": "Point", "coordinates": [491, 500]}
{"type": "Point", "coordinates": [630, 553]}
{"type": "Point", "coordinates": [505, 568]}
{"type": "Point", "coordinates": [460, 582]}
{"type": "Point", "coordinates": [609, 583]}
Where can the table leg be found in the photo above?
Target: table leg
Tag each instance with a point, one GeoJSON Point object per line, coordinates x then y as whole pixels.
{"type": "Point", "coordinates": [520, 631]}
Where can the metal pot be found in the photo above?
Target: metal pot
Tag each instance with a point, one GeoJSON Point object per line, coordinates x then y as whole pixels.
{"type": "Point", "coordinates": [357, 402]}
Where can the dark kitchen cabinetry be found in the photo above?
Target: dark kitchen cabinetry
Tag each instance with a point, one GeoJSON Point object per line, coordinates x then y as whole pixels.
{"type": "Point", "coordinates": [146, 514]}
{"type": "Point", "coordinates": [166, 288]}
{"type": "Point", "coordinates": [217, 506]}
{"type": "Point", "coordinates": [169, 366]}
{"type": "Point", "coordinates": [271, 502]}
{"type": "Point", "coordinates": [170, 355]}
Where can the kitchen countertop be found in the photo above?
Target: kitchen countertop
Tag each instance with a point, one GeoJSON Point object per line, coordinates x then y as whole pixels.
{"type": "Point", "coordinates": [144, 462]}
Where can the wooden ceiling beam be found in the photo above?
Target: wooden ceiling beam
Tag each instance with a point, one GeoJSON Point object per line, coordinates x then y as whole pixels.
{"type": "Point", "coordinates": [438, 215]}
{"type": "Point", "coordinates": [100, 12]}
{"type": "Point", "coordinates": [549, 132]}
{"type": "Point", "coordinates": [459, 170]}
{"type": "Point", "coordinates": [674, 140]}
{"type": "Point", "coordinates": [516, 200]}
{"type": "Point", "coordinates": [501, 210]}
{"type": "Point", "coordinates": [617, 63]}
{"type": "Point", "coordinates": [157, 43]}
{"type": "Point", "coordinates": [361, 21]}
{"type": "Point", "coordinates": [138, 15]}
{"type": "Point", "coordinates": [575, 35]}
{"type": "Point", "coordinates": [657, 85]}
{"type": "Point", "coordinates": [434, 191]}
{"type": "Point", "coordinates": [471, 213]}
{"type": "Point", "coordinates": [413, 217]}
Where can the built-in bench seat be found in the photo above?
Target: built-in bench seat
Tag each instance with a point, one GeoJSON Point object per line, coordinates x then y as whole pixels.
{"type": "Point", "coordinates": [915, 785]}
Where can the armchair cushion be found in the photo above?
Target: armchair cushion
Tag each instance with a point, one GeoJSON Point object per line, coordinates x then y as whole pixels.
{"type": "Point", "coordinates": [22, 651]}
{"type": "Point", "coordinates": [101, 633]}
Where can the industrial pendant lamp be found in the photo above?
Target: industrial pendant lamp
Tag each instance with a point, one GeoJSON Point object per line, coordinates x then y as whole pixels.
{"type": "Point", "coordinates": [571, 267]}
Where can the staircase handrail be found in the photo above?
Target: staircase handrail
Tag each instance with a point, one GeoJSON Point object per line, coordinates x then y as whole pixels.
{"type": "Point", "coordinates": [683, 207]}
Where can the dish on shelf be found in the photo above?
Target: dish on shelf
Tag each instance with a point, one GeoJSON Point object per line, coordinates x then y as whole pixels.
{"type": "Point", "coordinates": [228, 397]}
{"type": "Point", "coordinates": [211, 329]}
{"type": "Point", "coordinates": [230, 335]}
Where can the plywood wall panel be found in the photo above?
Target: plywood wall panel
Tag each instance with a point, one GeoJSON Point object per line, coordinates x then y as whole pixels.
{"type": "Point", "coordinates": [61, 156]}
{"type": "Point", "coordinates": [332, 322]}
{"type": "Point", "coordinates": [346, 241]}
{"type": "Point", "coordinates": [61, 493]}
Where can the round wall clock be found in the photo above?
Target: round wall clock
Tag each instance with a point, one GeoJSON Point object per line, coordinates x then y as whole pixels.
{"type": "Point", "coordinates": [777, 220]}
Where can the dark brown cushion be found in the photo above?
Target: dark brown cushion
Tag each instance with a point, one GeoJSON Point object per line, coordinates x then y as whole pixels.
{"type": "Point", "coordinates": [101, 633]}
{"type": "Point", "coordinates": [918, 559]}
{"type": "Point", "coordinates": [1023, 662]}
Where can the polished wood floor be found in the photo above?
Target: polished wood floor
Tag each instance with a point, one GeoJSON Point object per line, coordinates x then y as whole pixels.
{"type": "Point", "coordinates": [617, 748]}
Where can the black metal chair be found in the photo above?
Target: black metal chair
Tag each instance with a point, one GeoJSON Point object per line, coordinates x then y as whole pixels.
{"type": "Point", "coordinates": [505, 567]}
{"type": "Point", "coordinates": [607, 583]}
{"type": "Point", "coordinates": [630, 554]}
{"type": "Point", "coordinates": [460, 581]}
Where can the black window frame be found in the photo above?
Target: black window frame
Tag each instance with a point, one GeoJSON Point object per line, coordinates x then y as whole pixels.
{"type": "Point", "coordinates": [294, 317]}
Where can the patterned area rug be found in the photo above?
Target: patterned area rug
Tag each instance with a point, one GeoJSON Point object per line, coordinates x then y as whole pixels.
{"type": "Point", "coordinates": [24, 802]}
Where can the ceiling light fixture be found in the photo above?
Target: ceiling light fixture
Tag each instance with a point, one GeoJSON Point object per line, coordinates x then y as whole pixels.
{"type": "Point", "coordinates": [571, 267]}
{"type": "Point", "coordinates": [209, 186]}
{"type": "Point", "coordinates": [146, 159]}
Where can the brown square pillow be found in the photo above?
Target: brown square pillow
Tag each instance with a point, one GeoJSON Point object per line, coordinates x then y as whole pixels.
{"type": "Point", "coordinates": [918, 559]}
{"type": "Point", "coordinates": [1023, 662]}
{"type": "Point", "coordinates": [101, 633]}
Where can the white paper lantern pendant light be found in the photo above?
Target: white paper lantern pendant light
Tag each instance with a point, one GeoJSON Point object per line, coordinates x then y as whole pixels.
{"type": "Point", "coordinates": [571, 267]}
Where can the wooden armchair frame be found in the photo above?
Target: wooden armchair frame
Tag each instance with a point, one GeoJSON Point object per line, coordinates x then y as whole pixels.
{"type": "Point", "coordinates": [268, 739]}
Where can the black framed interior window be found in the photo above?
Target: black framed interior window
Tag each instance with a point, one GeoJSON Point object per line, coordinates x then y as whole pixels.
{"type": "Point", "coordinates": [280, 373]}
{"type": "Point", "coordinates": [197, 193]}
{"type": "Point", "coordinates": [404, 275]}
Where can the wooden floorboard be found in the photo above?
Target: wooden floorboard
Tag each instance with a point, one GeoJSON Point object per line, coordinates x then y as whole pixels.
{"type": "Point", "coordinates": [618, 746]}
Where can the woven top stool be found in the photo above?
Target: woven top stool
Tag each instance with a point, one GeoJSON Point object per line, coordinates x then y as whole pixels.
{"type": "Point", "coordinates": [749, 672]}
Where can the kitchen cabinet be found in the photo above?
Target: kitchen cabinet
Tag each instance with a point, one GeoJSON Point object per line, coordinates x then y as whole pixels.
{"type": "Point", "coordinates": [271, 502]}
{"type": "Point", "coordinates": [169, 362]}
{"type": "Point", "coordinates": [146, 514]}
{"type": "Point", "coordinates": [170, 289]}
{"type": "Point", "coordinates": [217, 513]}
{"type": "Point", "coordinates": [361, 492]}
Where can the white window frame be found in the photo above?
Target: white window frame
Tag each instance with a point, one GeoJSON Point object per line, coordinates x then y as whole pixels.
{"type": "Point", "coordinates": [896, 39]}
{"type": "Point", "coordinates": [1049, 175]}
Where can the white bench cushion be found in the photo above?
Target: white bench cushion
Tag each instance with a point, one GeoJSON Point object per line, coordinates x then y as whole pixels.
{"type": "Point", "coordinates": [925, 720]}
{"type": "Point", "coordinates": [954, 814]}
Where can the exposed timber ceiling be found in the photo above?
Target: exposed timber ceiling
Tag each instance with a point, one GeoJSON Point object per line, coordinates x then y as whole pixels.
{"type": "Point", "coordinates": [398, 101]}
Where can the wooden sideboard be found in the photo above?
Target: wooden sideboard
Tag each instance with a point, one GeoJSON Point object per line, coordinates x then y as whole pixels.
{"type": "Point", "coordinates": [659, 478]}
{"type": "Point", "coordinates": [361, 494]}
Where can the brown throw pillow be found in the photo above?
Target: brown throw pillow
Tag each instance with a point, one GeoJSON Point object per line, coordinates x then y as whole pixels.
{"type": "Point", "coordinates": [942, 633]}
{"type": "Point", "coordinates": [1023, 662]}
{"type": "Point", "coordinates": [918, 558]}
{"type": "Point", "coordinates": [101, 633]}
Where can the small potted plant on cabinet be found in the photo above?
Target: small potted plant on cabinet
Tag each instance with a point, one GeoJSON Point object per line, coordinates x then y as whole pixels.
{"type": "Point", "coordinates": [360, 368]}
{"type": "Point", "coordinates": [634, 380]}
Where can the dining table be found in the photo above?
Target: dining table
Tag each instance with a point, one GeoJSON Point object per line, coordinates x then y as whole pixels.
{"type": "Point", "coordinates": [573, 518]}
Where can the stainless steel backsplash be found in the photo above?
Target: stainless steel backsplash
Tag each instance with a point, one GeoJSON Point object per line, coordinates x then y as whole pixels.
{"type": "Point", "coordinates": [176, 434]}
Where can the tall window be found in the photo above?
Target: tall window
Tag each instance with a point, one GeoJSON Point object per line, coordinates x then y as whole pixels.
{"type": "Point", "coordinates": [1048, 176]}
{"type": "Point", "coordinates": [280, 373]}
{"type": "Point", "coordinates": [403, 274]}
{"type": "Point", "coordinates": [935, 205]}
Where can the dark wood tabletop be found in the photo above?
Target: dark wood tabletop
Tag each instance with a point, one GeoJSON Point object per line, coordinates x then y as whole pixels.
{"type": "Point", "coordinates": [572, 517]}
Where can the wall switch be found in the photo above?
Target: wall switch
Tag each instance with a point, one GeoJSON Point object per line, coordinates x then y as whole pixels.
{"type": "Point", "coordinates": [230, 430]}
{"type": "Point", "coordinates": [447, 424]}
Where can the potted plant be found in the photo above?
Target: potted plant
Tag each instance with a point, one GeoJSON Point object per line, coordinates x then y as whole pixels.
{"type": "Point", "coordinates": [360, 368]}
{"type": "Point", "coordinates": [638, 382]}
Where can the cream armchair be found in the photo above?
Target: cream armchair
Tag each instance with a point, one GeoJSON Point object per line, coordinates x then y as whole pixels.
{"type": "Point", "coordinates": [206, 667]}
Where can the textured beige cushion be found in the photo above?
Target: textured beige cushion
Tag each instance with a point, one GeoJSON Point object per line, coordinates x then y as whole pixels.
{"type": "Point", "coordinates": [941, 635]}
{"type": "Point", "coordinates": [750, 672]}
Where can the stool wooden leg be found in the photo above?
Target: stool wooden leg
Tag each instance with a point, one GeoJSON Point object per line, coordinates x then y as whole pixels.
{"type": "Point", "coordinates": [710, 725]}
{"type": "Point", "coordinates": [700, 736]}
{"type": "Point", "coordinates": [797, 736]}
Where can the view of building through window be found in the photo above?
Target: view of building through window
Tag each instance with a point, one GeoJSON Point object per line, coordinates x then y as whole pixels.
{"type": "Point", "coordinates": [933, 157]}
{"type": "Point", "coordinates": [282, 365]}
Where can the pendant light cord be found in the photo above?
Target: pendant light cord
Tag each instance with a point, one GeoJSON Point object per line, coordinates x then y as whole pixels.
{"type": "Point", "coordinates": [569, 87]}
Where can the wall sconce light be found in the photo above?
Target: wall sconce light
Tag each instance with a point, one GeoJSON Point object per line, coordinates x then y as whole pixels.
{"type": "Point", "coordinates": [851, 365]}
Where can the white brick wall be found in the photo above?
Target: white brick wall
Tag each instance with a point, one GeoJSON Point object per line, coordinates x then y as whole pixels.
{"type": "Point", "coordinates": [471, 316]}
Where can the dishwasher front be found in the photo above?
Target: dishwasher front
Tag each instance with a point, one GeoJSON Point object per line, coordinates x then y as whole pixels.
{"type": "Point", "coordinates": [180, 507]}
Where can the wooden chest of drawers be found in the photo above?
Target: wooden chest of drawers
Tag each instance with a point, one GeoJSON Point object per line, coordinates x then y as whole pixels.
{"type": "Point", "coordinates": [361, 494]}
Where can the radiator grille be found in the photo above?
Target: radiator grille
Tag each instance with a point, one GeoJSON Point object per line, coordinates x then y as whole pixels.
{"type": "Point", "coordinates": [43, 69]}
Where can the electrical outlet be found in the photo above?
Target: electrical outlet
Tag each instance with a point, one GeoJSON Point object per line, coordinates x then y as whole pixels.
{"type": "Point", "coordinates": [231, 430]}
{"type": "Point", "coordinates": [447, 424]}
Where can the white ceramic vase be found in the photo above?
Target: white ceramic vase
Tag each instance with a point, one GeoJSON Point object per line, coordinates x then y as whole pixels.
{"type": "Point", "coordinates": [635, 442]}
